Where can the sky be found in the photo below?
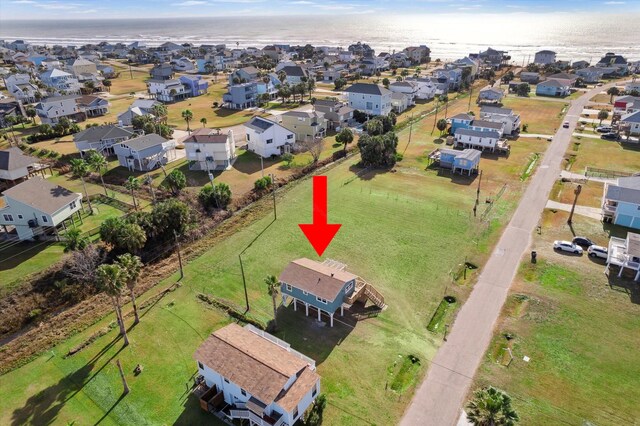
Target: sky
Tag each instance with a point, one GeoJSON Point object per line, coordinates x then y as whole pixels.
{"type": "Point", "coordinates": [101, 9]}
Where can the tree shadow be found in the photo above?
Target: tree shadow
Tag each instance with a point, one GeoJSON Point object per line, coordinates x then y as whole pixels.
{"type": "Point", "coordinates": [43, 407]}
{"type": "Point", "coordinates": [20, 253]}
{"type": "Point", "coordinates": [193, 414]}
{"type": "Point", "coordinates": [249, 163]}
{"type": "Point", "coordinates": [367, 173]}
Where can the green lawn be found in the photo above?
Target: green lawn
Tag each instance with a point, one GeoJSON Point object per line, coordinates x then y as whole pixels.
{"type": "Point", "coordinates": [605, 154]}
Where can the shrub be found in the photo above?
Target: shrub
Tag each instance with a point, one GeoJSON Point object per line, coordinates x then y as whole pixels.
{"type": "Point", "coordinates": [262, 183]}
{"type": "Point", "coordinates": [216, 196]}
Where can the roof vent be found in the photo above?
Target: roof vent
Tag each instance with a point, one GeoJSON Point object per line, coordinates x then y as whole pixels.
{"type": "Point", "coordinates": [332, 274]}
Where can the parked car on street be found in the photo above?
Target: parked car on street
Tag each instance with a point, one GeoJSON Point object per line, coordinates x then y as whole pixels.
{"type": "Point", "coordinates": [598, 251]}
{"type": "Point", "coordinates": [610, 136]}
{"type": "Point", "coordinates": [565, 124]}
{"type": "Point", "coordinates": [582, 241]}
{"type": "Point", "coordinates": [567, 246]}
{"type": "Point", "coordinates": [604, 129]}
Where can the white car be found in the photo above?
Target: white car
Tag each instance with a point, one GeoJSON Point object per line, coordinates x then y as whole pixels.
{"type": "Point", "coordinates": [598, 251]}
{"type": "Point", "coordinates": [567, 246]}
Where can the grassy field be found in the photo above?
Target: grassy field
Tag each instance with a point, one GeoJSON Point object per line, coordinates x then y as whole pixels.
{"type": "Point", "coordinates": [578, 328]}
{"type": "Point", "coordinates": [541, 116]}
{"type": "Point", "coordinates": [604, 154]}
{"type": "Point", "coordinates": [125, 84]}
{"type": "Point", "coordinates": [590, 194]}
{"type": "Point", "coordinates": [415, 210]}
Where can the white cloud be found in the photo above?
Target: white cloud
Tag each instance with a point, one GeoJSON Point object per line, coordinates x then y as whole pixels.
{"type": "Point", "coordinates": [615, 2]}
{"type": "Point", "coordinates": [23, 2]}
{"type": "Point", "coordinates": [190, 3]}
{"type": "Point", "coordinates": [302, 2]}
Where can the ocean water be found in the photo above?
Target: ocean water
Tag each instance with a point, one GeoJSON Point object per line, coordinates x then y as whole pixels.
{"type": "Point", "coordinates": [572, 36]}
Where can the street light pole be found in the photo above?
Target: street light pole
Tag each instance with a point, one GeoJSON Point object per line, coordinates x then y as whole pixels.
{"type": "Point", "coordinates": [575, 200]}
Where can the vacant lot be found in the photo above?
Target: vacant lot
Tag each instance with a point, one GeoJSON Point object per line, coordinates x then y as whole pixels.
{"type": "Point", "coordinates": [577, 326]}
{"type": "Point", "coordinates": [541, 116]}
{"type": "Point", "coordinates": [590, 194]}
{"type": "Point", "coordinates": [604, 154]}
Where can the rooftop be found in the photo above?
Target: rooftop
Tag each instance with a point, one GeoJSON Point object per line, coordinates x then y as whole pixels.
{"type": "Point", "coordinates": [316, 278]}
{"type": "Point", "coordinates": [206, 136]}
{"type": "Point", "coordinates": [14, 158]}
{"type": "Point", "coordinates": [143, 142]}
{"type": "Point", "coordinates": [42, 195]}
{"type": "Point", "coordinates": [98, 133]}
{"type": "Point", "coordinates": [368, 89]}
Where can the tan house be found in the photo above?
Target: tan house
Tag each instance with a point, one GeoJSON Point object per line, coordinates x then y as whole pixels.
{"type": "Point", "coordinates": [82, 66]}
{"type": "Point", "coordinates": [305, 125]}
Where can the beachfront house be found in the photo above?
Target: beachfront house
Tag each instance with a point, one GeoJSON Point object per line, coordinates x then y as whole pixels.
{"type": "Point", "coordinates": [36, 207]}
{"type": "Point", "coordinates": [466, 161]}
{"type": "Point", "coordinates": [369, 98]}
{"type": "Point", "coordinates": [50, 110]}
{"type": "Point", "coordinates": [249, 374]}
{"type": "Point", "coordinates": [207, 149]}
{"type": "Point", "coordinates": [324, 287]}
{"type": "Point", "coordinates": [621, 202]}
{"type": "Point", "coordinates": [554, 87]}
{"type": "Point", "coordinates": [145, 153]}
{"type": "Point", "coordinates": [544, 57]}
{"type": "Point", "coordinates": [307, 125]}
{"type": "Point", "coordinates": [267, 138]}
{"type": "Point", "coordinates": [101, 138]}
{"type": "Point", "coordinates": [618, 62]}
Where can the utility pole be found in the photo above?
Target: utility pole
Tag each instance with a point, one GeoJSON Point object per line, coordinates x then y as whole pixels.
{"type": "Point", "coordinates": [435, 119]}
{"type": "Point", "coordinates": [130, 72]}
{"type": "Point", "coordinates": [470, 95]}
{"type": "Point", "coordinates": [244, 282]}
{"type": "Point", "coordinates": [273, 185]}
{"type": "Point", "coordinates": [175, 235]}
{"type": "Point", "coordinates": [261, 166]}
{"type": "Point", "coordinates": [575, 200]}
{"type": "Point", "coordinates": [124, 379]}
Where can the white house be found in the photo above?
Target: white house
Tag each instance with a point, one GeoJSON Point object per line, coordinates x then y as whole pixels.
{"type": "Point", "coordinates": [400, 102]}
{"type": "Point", "coordinates": [631, 86]}
{"type": "Point", "coordinates": [52, 109]}
{"type": "Point", "coordinates": [409, 88]}
{"type": "Point", "coordinates": [61, 81]}
{"type": "Point", "coordinates": [36, 207]}
{"type": "Point", "coordinates": [545, 57]}
{"type": "Point", "coordinates": [168, 90]}
{"type": "Point", "coordinates": [477, 139]}
{"type": "Point", "coordinates": [207, 150]}
{"type": "Point", "coordinates": [14, 164]}
{"type": "Point", "coordinates": [369, 98]}
{"type": "Point", "coordinates": [427, 88]}
{"type": "Point", "coordinates": [632, 121]}
{"type": "Point", "coordinates": [267, 138]}
{"type": "Point", "coordinates": [505, 116]}
{"type": "Point", "coordinates": [138, 108]}
{"type": "Point", "coordinates": [256, 375]}
{"type": "Point", "coordinates": [21, 88]}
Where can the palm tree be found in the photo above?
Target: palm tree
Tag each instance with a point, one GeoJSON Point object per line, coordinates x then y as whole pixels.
{"type": "Point", "coordinates": [80, 169]}
{"type": "Point", "coordinates": [160, 112]}
{"type": "Point", "coordinates": [98, 164]}
{"type": "Point", "coordinates": [148, 180]}
{"type": "Point", "coordinates": [273, 288]}
{"type": "Point", "coordinates": [187, 115]}
{"type": "Point", "coordinates": [603, 114]}
{"type": "Point", "coordinates": [131, 265]}
{"type": "Point", "coordinates": [613, 91]}
{"type": "Point", "coordinates": [132, 184]}
{"type": "Point", "coordinates": [441, 125]}
{"type": "Point", "coordinates": [491, 407]}
{"type": "Point", "coordinates": [203, 121]}
{"type": "Point", "coordinates": [111, 279]}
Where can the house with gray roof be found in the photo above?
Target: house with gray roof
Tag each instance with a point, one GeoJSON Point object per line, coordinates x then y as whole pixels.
{"type": "Point", "coordinates": [490, 94]}
{"type": "Point", "coordinates": [145, 153]}
{"type": "Point", "coordinates": [102, 138]}
{"type": "Point", "coordinates": [554, 87]}
{"type": "Point", "coordinates": [506, 116]}
{"type": "Point", "coordinates": [477, 139]}
{"type": "Point", "coordinates": [138, 108]}
{"type": "Point", "coordinates": [618, 62]}
{"type": "Point", "coordinates": [37, 207]}
{"type": "Point", "coordinates": [338, 115]}
{"type": "Point", "coordinates": [52, 109]}
{"type": "Point", "coordinates": [369, 98]}
{"type": "Point", "coordinates": [631, 122]}
{"type": "Point", "coordinates": [621, 202]}
{"type": "Point", "coordinates": [268, 138]}
{"type": "Point", "coordinates": [15, 165]}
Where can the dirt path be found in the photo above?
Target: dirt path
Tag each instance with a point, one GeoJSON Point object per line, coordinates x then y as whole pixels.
{"type": "Point", "coordinates": [438, 399]}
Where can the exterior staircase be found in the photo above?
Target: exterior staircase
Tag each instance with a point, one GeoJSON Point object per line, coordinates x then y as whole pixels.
{"type": "Point", "coordinates": [364, 291]}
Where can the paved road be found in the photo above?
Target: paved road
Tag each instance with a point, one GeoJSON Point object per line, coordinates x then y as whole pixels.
{"type": "Point", "coordinates": [592, 212]}
{"type": "Point", "coordinates": [438, 400]}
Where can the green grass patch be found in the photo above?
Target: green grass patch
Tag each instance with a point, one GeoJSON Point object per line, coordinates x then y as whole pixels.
{"type": "Point", "coordinates": [404, 373]}
{"type": "Point", "coordinates": [437, 320]}
{"type": "Point", "coordinates": [552, 276]}
{"type": "Point", "coordinates": [530, 167]}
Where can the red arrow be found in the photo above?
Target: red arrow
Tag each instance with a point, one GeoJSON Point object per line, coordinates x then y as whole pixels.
{"type": "Point", "coordinates": [320, 233]}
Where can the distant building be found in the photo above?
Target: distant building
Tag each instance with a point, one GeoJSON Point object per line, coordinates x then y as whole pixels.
{"type": "Point", "coordinates": [52, 109]}
{"type": "Point", "coordinates": [101, 138]}
{"type": "Point", "coordinates": [305, 125]}
{"type": "Point", "coordinates": [208, 150]}
{"type": "Point", "coordinates": [369, 98]}
{"type": "Point", "coordinates": [545, 57]}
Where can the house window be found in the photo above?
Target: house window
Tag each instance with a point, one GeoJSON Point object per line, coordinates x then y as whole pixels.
{"type": "Point", "coordinates": [269, 141]}
{"type": "Point", "coordinates": [321, 300]}
{"type": "Point", "coordinates": [72, 205]}
{"type": "Point", "coordinates": [20, 216]}
{"type": "Point", "coordinates": [315, 391]}
{"type": "Point", "coordinates": [8, 217]}
{"type": "Point", "coordinates": [243, 392]}
{"type": "Point", "coordinates": [200, 366]}
{"type": "Point", "coordinates": [349, 287]}
{"type": "Point", "coordinates": [290, 136]}
{"type": "Point", "coordinates": [289, 287]}
{"type": "Point", "coordinates": [44, 219]}
{"type": "Point", "coordinates": [295, 413]}
{"type": "Point", "coordinates": [248, 138]}
{"type": "Point", "coordinates": [226, 380]}
{"type": "Point", "coordinates": [306, 294]}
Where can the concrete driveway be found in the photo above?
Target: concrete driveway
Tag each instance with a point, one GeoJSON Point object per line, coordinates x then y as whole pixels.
{"type": "Point", "coordinates": [438, 399]}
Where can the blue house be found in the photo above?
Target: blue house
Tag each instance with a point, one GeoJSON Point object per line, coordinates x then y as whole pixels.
{"type": "Point", "coordinates": [467, 160]}
{"type": "Point", "coordinates": [325, 286]}
{"type": "Point", "coordinates": [460, 121]}
{"type": "Point", "coordinates": [196, 84]}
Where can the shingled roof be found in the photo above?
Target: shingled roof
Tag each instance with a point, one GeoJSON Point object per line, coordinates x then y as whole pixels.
{"type": "Point", "coordinates": [14, 158]}
{"type": "Point", "coordinates": [42, 195]}
{"type": "Point", "coordinates": [257, 365]}
{"type": "Point", "coordinates": [316, 278]}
